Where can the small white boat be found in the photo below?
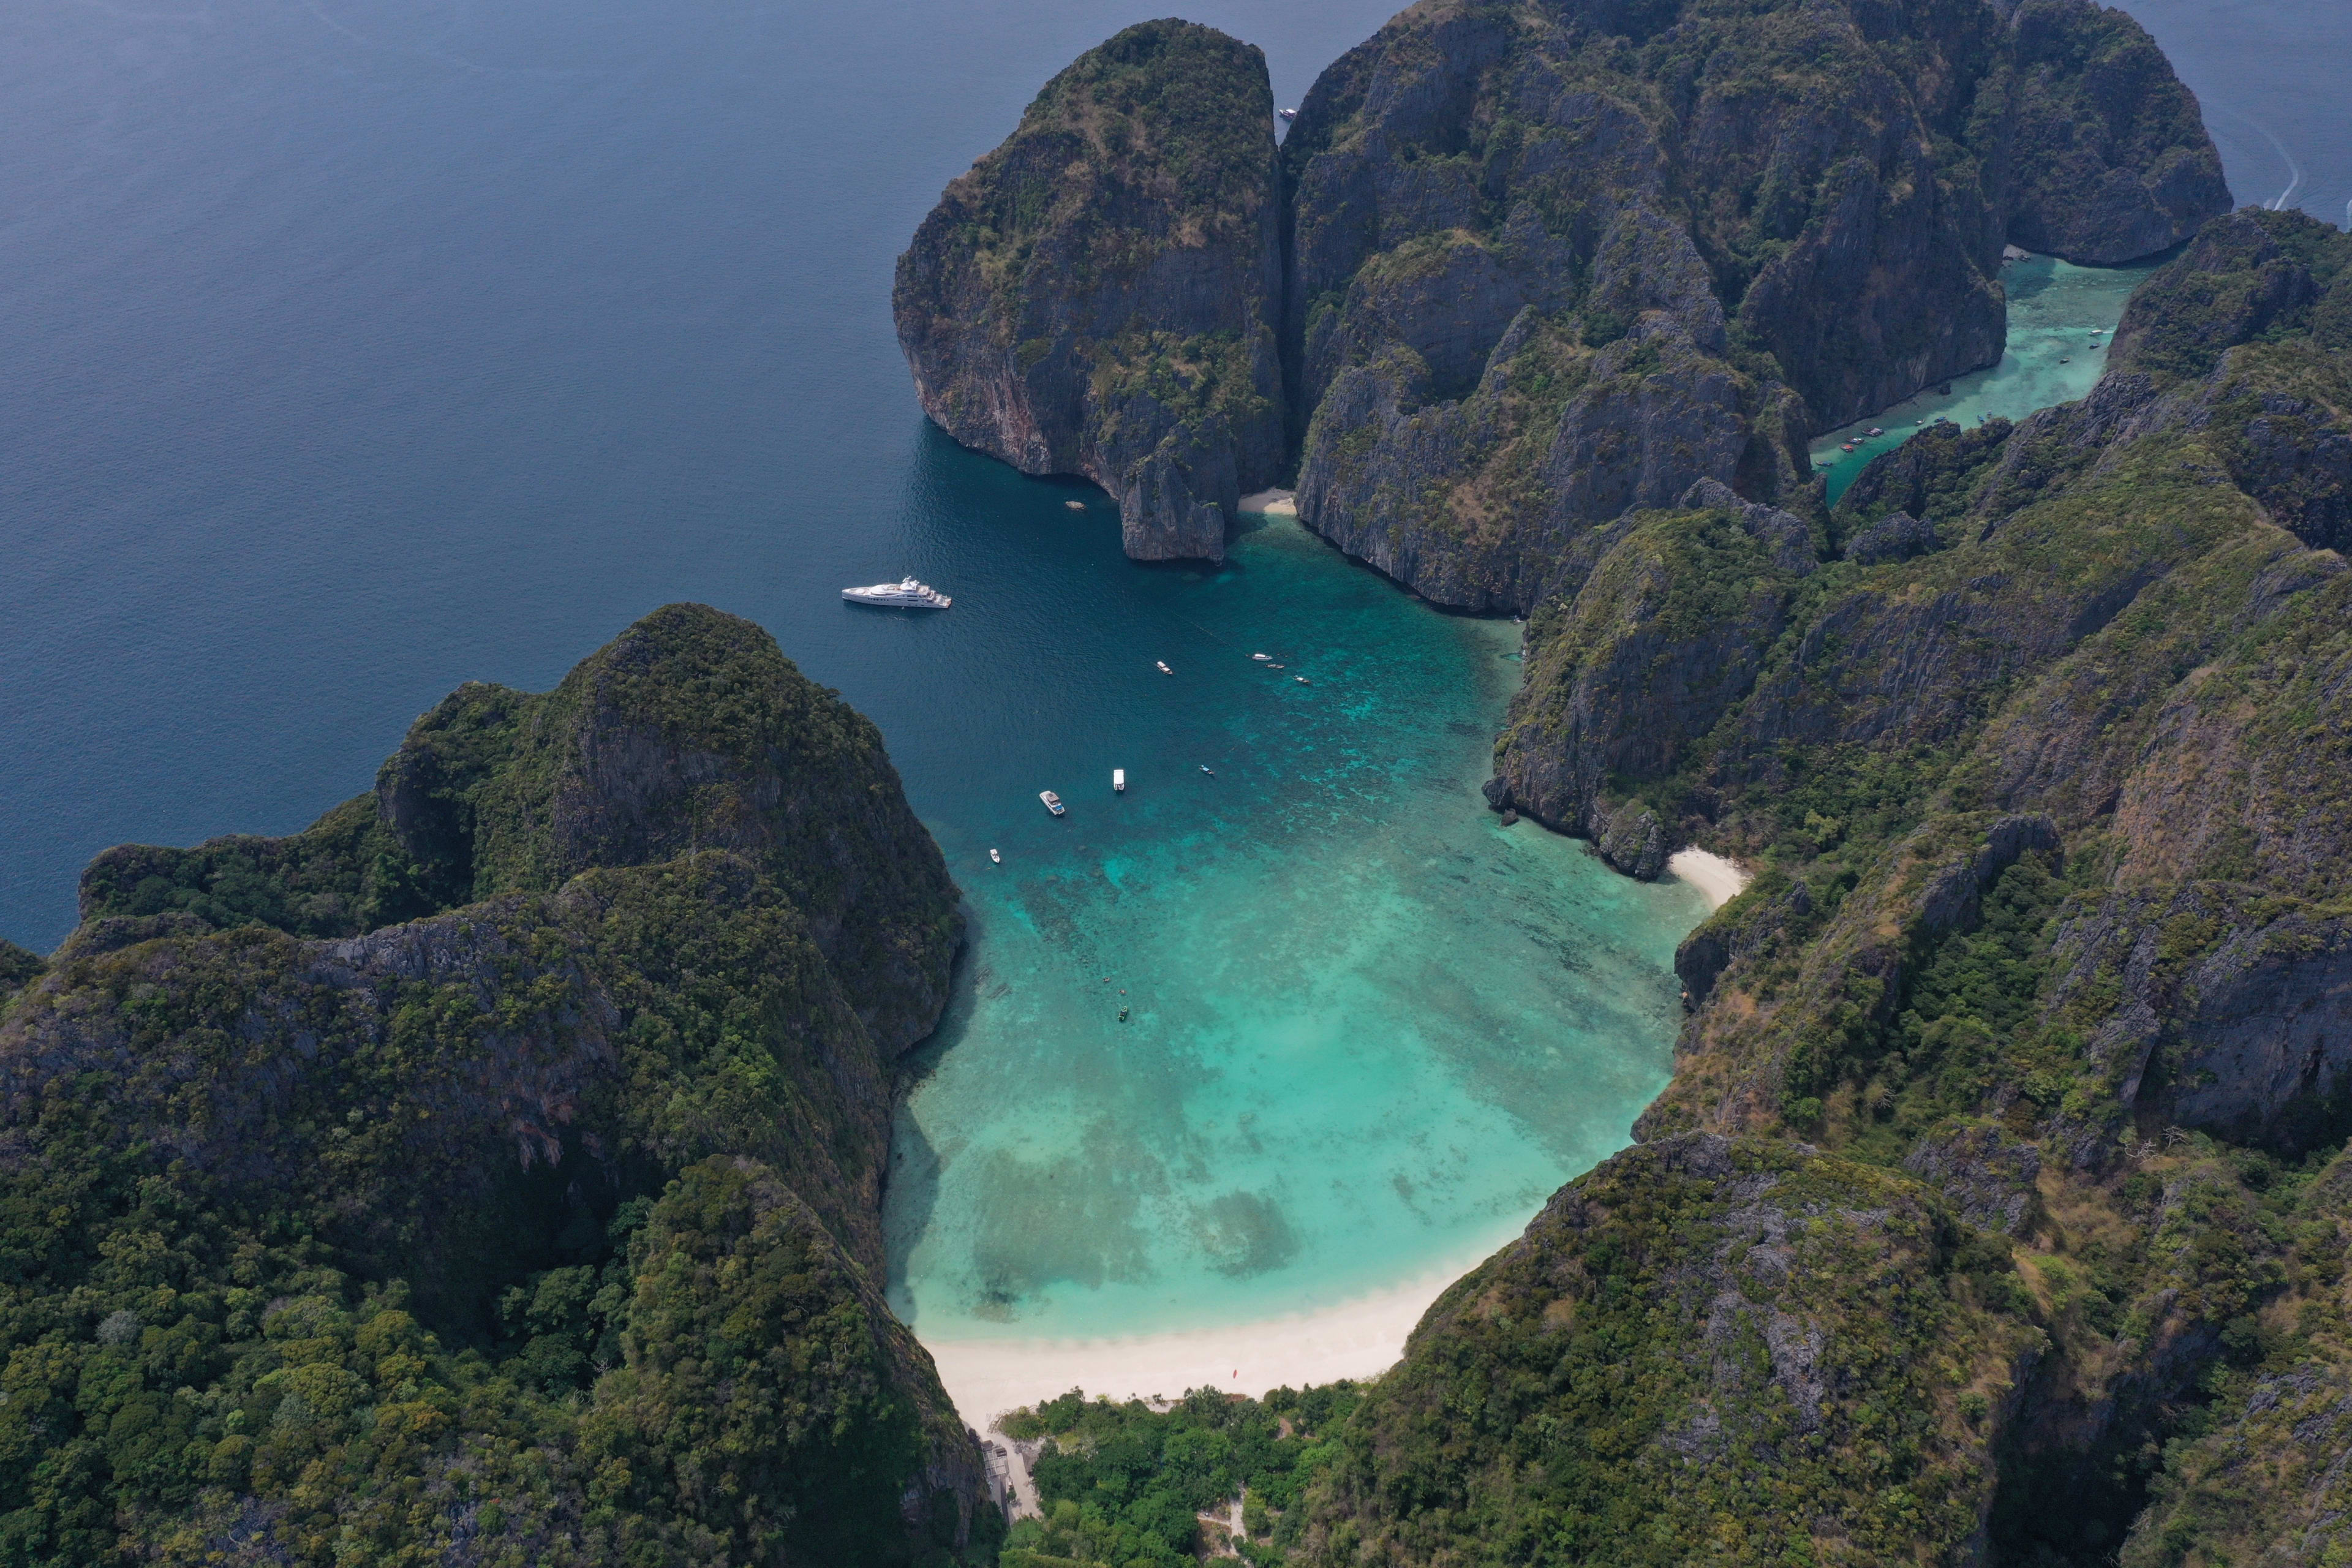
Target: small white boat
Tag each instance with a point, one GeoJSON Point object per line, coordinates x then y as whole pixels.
{"type": "Point", "coordinates": [1119, 781]}
{"type": "Point", "coordinates": [995, 859]}
{"type": "Point", "coordinates": [1076, 505]}
{"type": "Point", "coordinates": [1208, 769]}
{"type": "Point", "coordinates": [1874, 430]}
{"type": "Point", "coordinates": [1287, 113]}
{"type": "Point", "coordinates": [1262, 657]}
{"type": "Point", "coordinates": [905, 595]}
{"type": "Point", "coordinates": [1053, 802]}
{"type": "Point", "coordinates": [1270, 665]}
{"type": "Point", "coordinates": [1163, 667]}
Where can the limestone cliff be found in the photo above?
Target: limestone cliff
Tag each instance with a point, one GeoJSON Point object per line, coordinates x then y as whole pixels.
{"type": "Point", "coordinates": [691, 731]}
{"type": "Point", "coordinates": [1704, 1344]}
{"type": "Point", "coordinates": [2043, 769]}
{"type": "Point", "coordinates": [1098, 296]}
{"type": "Point", "coordinates": [493, 1172]}
{"type": "Point", "coordinates": [1553, 264]}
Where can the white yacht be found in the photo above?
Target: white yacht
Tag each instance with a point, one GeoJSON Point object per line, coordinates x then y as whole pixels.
{"type": "Point", "coordinates": [904, 594]}
{"type": "Point", "coordinates": [1163, 667]}
{"type": "Point", "coordinates": [995, 859]}
{"type": "Point", "coordinates": [1119, 781]}
{"type": "Point", "coordinates": [1053, 802]}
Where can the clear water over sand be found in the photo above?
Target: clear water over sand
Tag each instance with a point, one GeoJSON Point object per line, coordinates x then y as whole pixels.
{"type": "Point", "coordinates": [1371, 1029]}
{"type": "Point", "coordinates": [2059, 319]}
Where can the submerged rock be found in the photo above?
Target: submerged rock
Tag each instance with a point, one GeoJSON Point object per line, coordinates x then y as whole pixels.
{"type": "Point", "coordinates": [1098, 295]}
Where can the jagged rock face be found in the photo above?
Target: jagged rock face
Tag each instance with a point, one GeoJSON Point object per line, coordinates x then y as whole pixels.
{"type": "Point", "coordinates": [1099, 295]}
{"type": "Point", "coordinates": [1551, 264]}
{"type": "Point", "coordinates": [620, 1095]}
{"type": "Point", "coordinates": [1666, 636]}
{"type": "Point", "coordinates": [2230, 1015]}
{"type": "Point", "coordinates": [691, 731]}
{"type": "Point", "coordinates": [1700, 1339]}
{"type": "Point", "coordinates": [2105, 148]}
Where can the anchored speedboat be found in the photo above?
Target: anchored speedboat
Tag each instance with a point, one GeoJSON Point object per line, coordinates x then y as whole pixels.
{"type": "Point", "coordinates": [904, 594]}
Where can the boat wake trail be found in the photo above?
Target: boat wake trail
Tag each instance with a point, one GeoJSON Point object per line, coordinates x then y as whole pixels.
{"type": "Point", "coordinates": [2295, 170]}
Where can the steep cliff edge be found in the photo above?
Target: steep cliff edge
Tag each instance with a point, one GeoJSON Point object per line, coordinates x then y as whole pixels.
{"type": "Point", "coordinates": [544, 1223]}
{"type": "Point", "coordinates": [691, 731]}
{"type": "Point", "coordinates": [2039, 755]}
{"type": "Point", "coordinates": [1552, 264]}
{"type": "Point", "coordinates": [1098, 296]}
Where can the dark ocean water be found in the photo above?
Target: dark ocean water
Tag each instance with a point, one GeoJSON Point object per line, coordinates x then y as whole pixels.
{"type": "Point", "coordinates": [356, 348]}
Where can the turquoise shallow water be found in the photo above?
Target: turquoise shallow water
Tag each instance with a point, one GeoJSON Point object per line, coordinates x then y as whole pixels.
{"type": "Point", "coordinates": [1369, 1025]}
{"type": "Point", "coordinates": [2059, 319]}
{"type": "Point", "coordinates": [358, 348]}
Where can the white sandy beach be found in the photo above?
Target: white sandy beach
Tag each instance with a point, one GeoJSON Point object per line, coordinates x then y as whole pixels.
{"type": "Point", "coordinates": [1359, 1338]}
{"type": "Point", "coordinates": [1353, 1338]}
{"type": "Point", "coordinates": [1273, 504]}
{"type": "Point", "coordinates": [1718, 878]}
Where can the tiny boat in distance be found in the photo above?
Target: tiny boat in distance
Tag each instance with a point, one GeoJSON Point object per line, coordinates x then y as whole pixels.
{"type": "Point", "coordinates": [1286, 114]}
{"type": "Point", "coordinates": [1119, 781]}
{"type": "Point", "coordinates": [1076, 505]}
{"type": "Point", "coordinates": [995, 859]}
{"type": "Point", "coordinates": [1302, 680]}
{"type": "Point", "coordinates": [1874, 430]}
{"type": "Point", "coordinates": [1053, 802]}
{"type": "Point", "coordinates": [1163, 667]}
{"type": "Point", "coordinates": [904, 594]}
{"type": "Point", "coordinates": [1262, 657]}
{"type": "Point", "coordinates": [1208, 769]}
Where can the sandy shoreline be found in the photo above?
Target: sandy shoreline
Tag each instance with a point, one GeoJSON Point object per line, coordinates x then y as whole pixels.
{"type": "Point", "coordinates": [1359, 1338]}
{"type": "Point", "coordinates": [1353, 1338]}
{"type": "Point", "coordinates": [1273, 504]}
{"type": "Point", "coordinates": [1718, 878]}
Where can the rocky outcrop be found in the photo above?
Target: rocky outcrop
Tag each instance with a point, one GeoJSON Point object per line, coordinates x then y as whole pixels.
{"type": "Point", "coordinates": [1548, 267]}
{"type": "Point", "coordinates": [1666, 636]}
{"type": "Point", "coordinates": [1897, 537]}
{"type": "Point", "coordinates": [1750, 1323]}
{"type": "Point", "coordinates": [1099, 295]}
{"type": "Point", "coordinates": [2105, 151]}
{"type": "Point", "coordinates": [1524, 270]}
{"type": "Point", "coordinates": [1985, 1175]}
{"type": "Point", "coordinates": [629, 760]}
{"type": "Point", "coordinates": [607, 1140]}
{"type": "Point", "coordinates": [2230, 1013]}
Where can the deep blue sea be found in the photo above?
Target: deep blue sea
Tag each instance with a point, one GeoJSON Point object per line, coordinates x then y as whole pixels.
{"type": "Point", "coordinates": [350, 349]}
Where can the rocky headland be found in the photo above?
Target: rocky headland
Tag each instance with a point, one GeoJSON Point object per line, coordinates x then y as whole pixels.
{"type": "Point", "coordinates": [491, 1173]}
{"type": "Point", "coordinates": [1098, 296]}
{"type": "Point", "coordinates": [1526, 269]}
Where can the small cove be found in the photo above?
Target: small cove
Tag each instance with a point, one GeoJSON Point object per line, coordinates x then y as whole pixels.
{"type": "Point", "coordinates": [2059, 318]}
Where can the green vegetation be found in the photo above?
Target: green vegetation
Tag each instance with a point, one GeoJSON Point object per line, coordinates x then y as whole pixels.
{"type": "Point", "coordinates": [1124, 1484]}
{"type": "Point", "coordinates": [540, 1230]}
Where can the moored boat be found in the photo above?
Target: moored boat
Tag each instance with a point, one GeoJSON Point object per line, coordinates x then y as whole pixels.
{"type": "Point", "coordinates": [904, 594]}
{"type": "Point", "coordinates": [1053, 802]}
{"type": "Point", "coordinates": [1119, 781]}
{"type": "Point", "coordinates": [995, 859]}
{"type": "Point", "coordinates": [1163, 667]}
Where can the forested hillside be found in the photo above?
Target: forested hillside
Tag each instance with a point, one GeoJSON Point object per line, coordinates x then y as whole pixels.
{"type": "Point", "coordinates": [490, 1172]}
